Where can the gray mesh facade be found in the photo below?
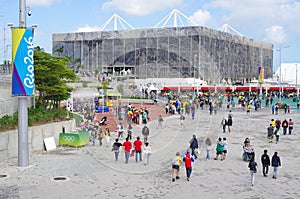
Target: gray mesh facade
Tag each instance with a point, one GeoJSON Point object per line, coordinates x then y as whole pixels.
{"type": "Point", "coordinates": [168, 53]}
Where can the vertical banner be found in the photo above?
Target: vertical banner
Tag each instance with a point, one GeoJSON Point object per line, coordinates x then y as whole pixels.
{"type": "Point", "coordinates": [22, 61]}
{"type": "Point", "coordinates": [261, 71]}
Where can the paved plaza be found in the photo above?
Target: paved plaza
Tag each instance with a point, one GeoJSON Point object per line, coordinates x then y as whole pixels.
{"type": "Point", "coordinates": [92, 172]}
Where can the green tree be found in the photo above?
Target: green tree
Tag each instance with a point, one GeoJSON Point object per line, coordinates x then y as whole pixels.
{"type": "Point", "coordinates": [51, 75]}
{"type": "Point", "coordinates": [105, 85]}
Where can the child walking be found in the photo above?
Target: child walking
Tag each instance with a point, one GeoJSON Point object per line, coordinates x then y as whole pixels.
{"type": "Point", "coordinates": [208, 148]}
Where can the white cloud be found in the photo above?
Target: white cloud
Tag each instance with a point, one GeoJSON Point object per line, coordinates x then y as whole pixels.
{"type": "Point", "coordinates": [256, 18]}
{"type": "Point", "coordinates": [200, 17]}
{"type": "Point", "coordinates": [140, 7]}
{"type": "Point", "coordinates": [87, 28]}
{"type": "Point", "coordinates": [275, 34]}
{"type": "Point", "coordinates": [41, 2]}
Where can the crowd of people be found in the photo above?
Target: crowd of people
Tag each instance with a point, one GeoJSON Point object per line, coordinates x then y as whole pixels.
{"type": "Point", "coordinates": [141, 149]}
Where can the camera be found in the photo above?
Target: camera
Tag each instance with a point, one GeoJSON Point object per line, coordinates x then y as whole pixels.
{"type": "Point", "coordinates": [29, 13]}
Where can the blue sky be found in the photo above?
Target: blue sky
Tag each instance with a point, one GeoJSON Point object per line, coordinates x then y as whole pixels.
{"type": "Point", "coordinates": [274, 21]}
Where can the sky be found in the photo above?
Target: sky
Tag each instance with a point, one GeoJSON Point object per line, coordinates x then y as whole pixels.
{"type": "Point", "coordinates": [273, 21]}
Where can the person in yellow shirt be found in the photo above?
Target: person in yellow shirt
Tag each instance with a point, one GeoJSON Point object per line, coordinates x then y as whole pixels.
{"type": "Point", "coordinates": [248, 109]}
{"type": "Point", "coordinates": [272, 122]}
{"type": "Point", "coordinates": [176, 167]}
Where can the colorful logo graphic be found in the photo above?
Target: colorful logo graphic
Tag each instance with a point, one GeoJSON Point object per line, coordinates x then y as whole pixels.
{"type": "Point", "coordinates": [22, 61]}
{"type": "Point", "coordinates": [261, 71]}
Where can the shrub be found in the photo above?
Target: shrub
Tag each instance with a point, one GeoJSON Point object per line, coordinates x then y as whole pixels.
{"type": "Point", "coordinates": [36, 116]}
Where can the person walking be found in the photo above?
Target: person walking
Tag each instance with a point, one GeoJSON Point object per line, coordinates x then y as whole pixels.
{"type": "Point", "coordinates": [291, 126]}
{"type": "Point", "coordinates": [167, 108]}
{"type": "Point", "coordinates": [265, 161]}
{"type": "Point", "coordinates": [160, 121]}
{"type": "Point", "coordinates": [229, 121]}
{"type": "Point", "coordinates": [100, 136]}
{"type": "Point", "coordinates": [219, 148]}
{"type": "Point", "coordinates": [176, 167]}
{"type": "Point", "coordinates": [285, 125]}
{"type": "Point", "coordinates": [188, 159]}
{"type": "Point", "coordinates": [107, 135]}
{"type": "Point", "coordinates": [138, 148]}
{"type": "Point", "coordinates": [248, 109]}
{"type": "Point", "coordinates": [145, 132]}
{"type": "Point", "coordinates": [129, 131]}
{"type": "Point", "coordinates": [223, 124]}
{"type": "Point", "coordinates": [277, 134]}
{"type": "Point", "coordinates": [270, 134]}
{"type": "Point", "coordinates": [181, 119]}
{"type": "Point", "coordinates": [127, 146]}
{"type": "Point", "coordinates": [147, 152]}
{"type": "Point", "coordinates": [225, 149]}
{"type": "Point", "coordinates": [194, 146]}
{"type": "Point", "coordinates": [252, 166]}
{"type": "Point", "coordinates": [273, 109]}
{"type": "Point", "coordinates": [116, 148]}
{"type": "Point", "coordinates": [120, 130]}
{"type": "Point", "coordinates": [275, 164]}
{"type": "Point", "coordinates": [93, 136]}
{"type": "Point", "coordinates": [208, 148]}
{"type": "Point", "coordinates": [193, 111]}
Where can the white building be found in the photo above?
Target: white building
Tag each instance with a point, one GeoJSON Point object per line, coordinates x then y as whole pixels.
{"type": "Point", "coordinates": [289, 73]}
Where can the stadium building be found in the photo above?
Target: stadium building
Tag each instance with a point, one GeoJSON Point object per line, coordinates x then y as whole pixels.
{"type": "Point", "coordinates": [215, 56]}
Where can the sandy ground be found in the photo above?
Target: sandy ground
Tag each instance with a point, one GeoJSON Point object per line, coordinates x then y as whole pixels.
{"type": "Point", "coordinates": [92, 172]}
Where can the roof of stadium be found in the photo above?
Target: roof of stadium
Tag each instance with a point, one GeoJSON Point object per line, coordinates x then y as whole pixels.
{"type": "Point", "coordinates": [174, 19]}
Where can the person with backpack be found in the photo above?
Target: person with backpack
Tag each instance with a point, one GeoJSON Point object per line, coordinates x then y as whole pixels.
{"type": "Point", "coordinates": [275, 164]}
{"type": "Point", "coordinates": [285, 125]}
{"type": "Point", "coordinates": [265, 161]}
{"type": "Point", "coordinates": [145, 132]}
{"type": "Point", "coordinates": [194, 146]}
{"type": "Point", "coordinates": [252, 166]}
{"type": "Point", "coordinates": [188, 159]}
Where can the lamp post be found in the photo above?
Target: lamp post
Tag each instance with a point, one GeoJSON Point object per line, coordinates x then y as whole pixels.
{"type": "Point", "coordinates": [194, 94]}
{"type": "Point", "coordinates": [4, 39]}
{"type": "Point", "coordinates": [24, 88]}
{"type": "Point", "coordinates": [297, 80]}
{"type": "Point", "coordinates": [296, 76]}
{"type": "Point", "coordinates": [280, 74]}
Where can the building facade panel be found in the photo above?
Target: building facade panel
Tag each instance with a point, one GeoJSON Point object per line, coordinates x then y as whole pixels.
{"type": "Point", "coordinates": [168, 52]}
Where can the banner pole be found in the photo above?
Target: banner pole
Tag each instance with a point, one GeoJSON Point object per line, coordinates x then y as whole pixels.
{"type": "Point", "coordinates": [23, 152]}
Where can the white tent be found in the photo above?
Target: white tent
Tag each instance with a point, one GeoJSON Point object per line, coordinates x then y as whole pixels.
{"type": "Point", "coordinates": [152, 88]}
{"type": "Point", "coordinates": [289, 73]}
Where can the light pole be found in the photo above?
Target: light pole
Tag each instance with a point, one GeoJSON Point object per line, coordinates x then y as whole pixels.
{"type": "Point", "coordinates": [22, 78]}
{"type": "Point", "coordinates": [4, 39]}
{"type": "Point", "coordinates": [280, 74]}
{"type": "Point", "coordinates": [297, 81]}
{"type": "Point", "coordinates": [296, 76]}
{"type": "Point", "coordinates": [195, 57]}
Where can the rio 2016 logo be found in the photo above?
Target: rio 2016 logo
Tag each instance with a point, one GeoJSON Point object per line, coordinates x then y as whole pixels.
{"type": "Point", "coordinates": [28, 61]}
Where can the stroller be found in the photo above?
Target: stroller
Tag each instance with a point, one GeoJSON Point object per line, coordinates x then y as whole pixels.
{"type": "Point", "coordinates": [102, 121]}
